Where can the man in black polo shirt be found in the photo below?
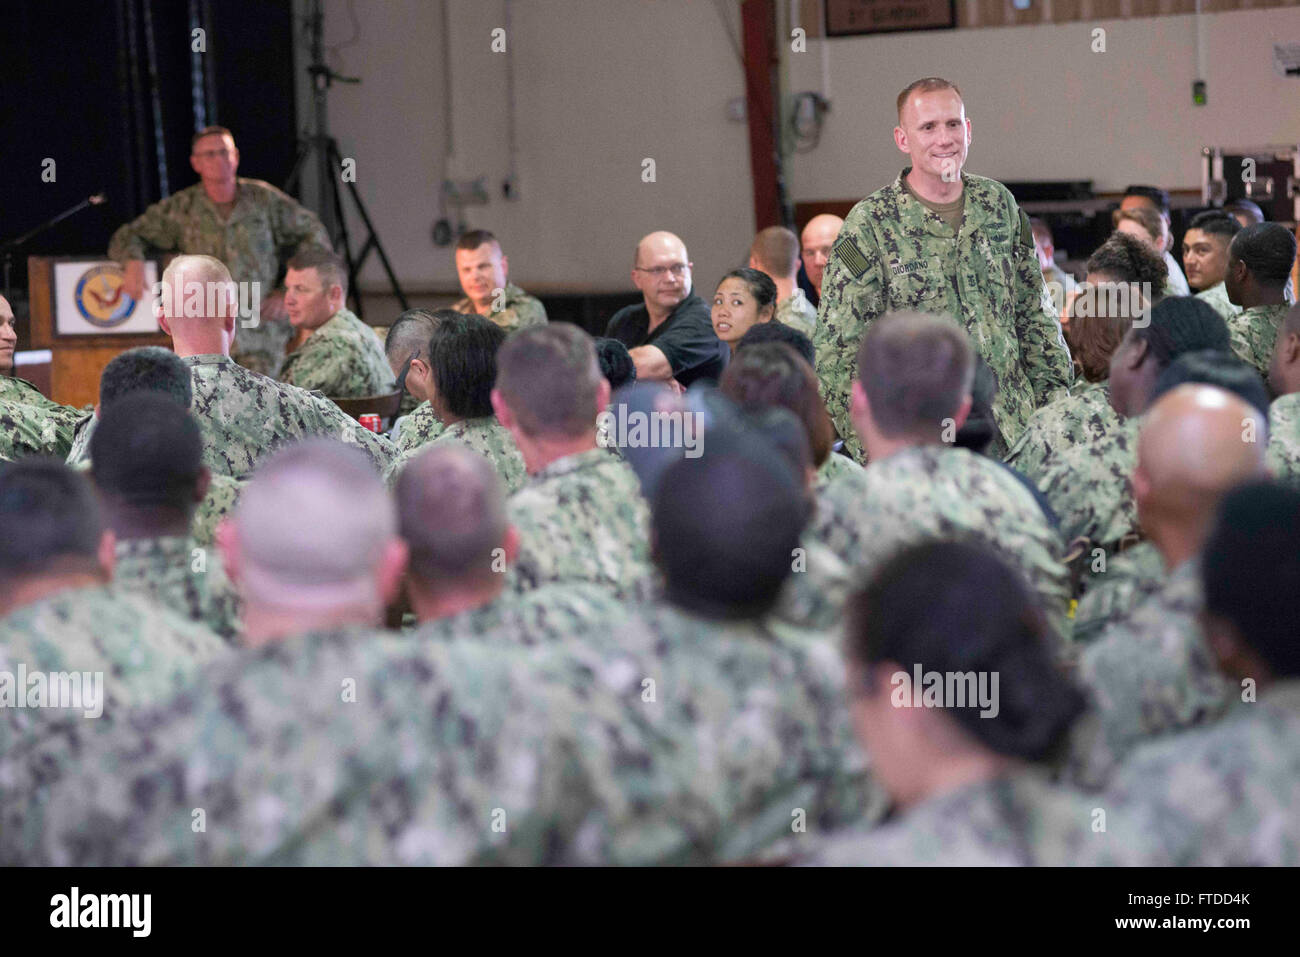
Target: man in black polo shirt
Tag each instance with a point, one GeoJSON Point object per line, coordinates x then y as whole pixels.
{"type": "Point", "coordinates": [669, 335]}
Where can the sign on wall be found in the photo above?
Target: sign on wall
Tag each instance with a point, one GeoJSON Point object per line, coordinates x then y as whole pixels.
{"type": "Point", "coordinates": [849, 17]}
{"type": "Point", "coordinates": [89, 300]}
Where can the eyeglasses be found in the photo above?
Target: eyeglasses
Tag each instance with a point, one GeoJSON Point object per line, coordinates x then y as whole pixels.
{"type": "Point", "coordinates": [222, 153]}
{"type": "Point", "coordinates": [401, 376]}
{"type": "Point", "coordinates": [677, 269]}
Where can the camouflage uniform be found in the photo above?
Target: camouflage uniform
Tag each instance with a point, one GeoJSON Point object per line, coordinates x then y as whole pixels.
{"type": "Point", "coordinates": [1088, 488]}
{"type": "Point", "coordinates": [1078, 419]}
{"type": "Point", "coordinates": [518, 310]}
{"type": "Point", "coordinates": [813, 596]}
{"type": "Point", "coordinates": [1253, 332]}
{"type": "Point", "coordinates": [342, 359]}
{"type": "Point", "coordinates": [754, 728]}
{"type": "Point", "coordinates": [1220, 796]}
{"type": "Point", "coordinates": [222, 497]}
{"type": "Point", "coordinates": [82, 430]}
{"type": "Point", "coordinates": [1217, 296]}
{"type": "Point", "coordinates": [347, 748]}
{"type": "Point", "coordinates": [940, 492]}
{"type": "Point", "coordinates": [1014, 820]}
{"type": "Point", "coordinates": [1150, 674]}
{"type": "Point", "coordinates": [552, 614]}
{"type": "Point", "coordinates": [582, 519]}
{"type": "Point", "coordinates": [797, 312]}
{"type": "Point", "coordinates": [834, 466]}
{"type": "Point", "coordinates": [420, 427]}
{"type": "Point", "coordinates": [893, 253]}
{"type": "Point", "coordinates": [31, 424]}
{"type": "Point", "coordinates": [1129, 579]}
{"type": "Point", "coordinates": [265, 229]}
{"type": "Point", "coordinates": [1283, 453]}
{"type": "Point", "coordinates": [178, 574]}
{"type": "Point", "coordinates": [486, 436]}
{"type": "Point", "coordinates": [244, 416]}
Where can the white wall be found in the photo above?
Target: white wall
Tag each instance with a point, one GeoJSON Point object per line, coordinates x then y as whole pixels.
{"type": "Point", "coordinates": [602, 84]}
{"type": "Point", "coordinates": [1043, 106]}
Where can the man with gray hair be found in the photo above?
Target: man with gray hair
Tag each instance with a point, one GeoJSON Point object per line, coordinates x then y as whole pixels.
{"type": "Point", "coordinates": [313, 543]}
{"type": "Point", "coordinates": [452, 513]}
{"type": "Point", "coordinates": [912, 396]}
{"type": "Point", "coordinates": [406, 347]}
{"type": "Point", "coordinates": [243, 415]}
{"type": "Point", "coordinates": [581, 517]}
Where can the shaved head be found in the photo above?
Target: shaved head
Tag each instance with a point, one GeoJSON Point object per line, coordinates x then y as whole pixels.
{"type": "Point", "coordinates": [1197, 442]}
{"type": "Point", "coordinates": [8, 337]}
{"type": "Point", "coordinates": [311, 528]}
{"type": "Point", "coordinates": [817, 239]}
{"type": "Point", "coordinates": [659, 243]}
{"type": "Point", "coordinates": [453, 516]}
{"type": "Point", "coordinates": [775, 250]}
{"type": "Point", "coordinates": [197, 305]}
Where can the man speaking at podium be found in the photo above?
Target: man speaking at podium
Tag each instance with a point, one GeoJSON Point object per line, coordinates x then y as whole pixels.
{"type": "Point", "coordinates": [247, 224]}
{"type": "Point", "coordinates": [939, 240]}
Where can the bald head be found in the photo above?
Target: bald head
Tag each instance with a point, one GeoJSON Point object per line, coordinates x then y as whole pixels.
{"type": "Point", "coordinates": [1197, 442]}
{"type": "Point", "coordinates": [661, 270]}
{"type": "Point", "coordinates": [452, 513]}
{"type": "Point", "coordinates": [311, 531]}
{"type": "Point", "coordinates": [817, 239]}
{"type": "Point", "coordinates": [8, 337]}
{"type": "Point", "coordinates": [197, 305]}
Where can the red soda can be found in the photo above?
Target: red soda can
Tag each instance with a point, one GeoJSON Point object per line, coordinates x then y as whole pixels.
{"type": "Point", "coordinates": [369, 420]}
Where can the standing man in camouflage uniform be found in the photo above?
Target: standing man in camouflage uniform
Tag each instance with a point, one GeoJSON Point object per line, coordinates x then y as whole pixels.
{"type": "Point", "coordinates": [463, 366]}
{"type": "Point", "coordinates": [581, 517]}
{"type": "Point", "coordinates": [775, 251]}
{"type": "Point", "coordinates": [482, 269]}
{"type": "Point", "coordinates": [244, 415]}
{"type": "Point", "coordinates": [1259, 268]}
{"type": "Point", "coordinates": [940, 240]}
{"type": "Point", "coordinates": [1151, 673]}
{"type": "Point", "coordinates": [246, 223]}
{"type": "Point", "coordinates": [148, 468]}
{"type": "Point", "coordinates": [913, 397]}
{"type": "Point", "coordinates": [30, 424]}
{"type": "Point", "coordinates": [334, 351]}
{"type": "Point", "coordinates": [1284, 412]}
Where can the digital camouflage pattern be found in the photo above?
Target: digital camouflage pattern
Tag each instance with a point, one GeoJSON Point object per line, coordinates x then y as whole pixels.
{"type": "Point", "coordinates": [342, 359]}
{"type": "Point", "coordinates": [936, 491]}
{"type": "Point", "coordinates": [31, 424]}
{"type": "Point", "coordinates": [1217, 296]}
{"type": "Point", "coordinates": [518, 309]}
{"type": "Point", "coordinates": [341, 748]}
{"type": "Point", "coordinates": [1125, 581]}
{"type": "Point", "coordinates": [551, 614]}
{"type": "Point", "coordinates": [834, 466]}
{"type": "Point", "coordinates": [1283, 453]}
{"type": "Point", "coordinates": [182, 576]}
{"type": "Point", "coordinates": [1220, 796]}
{"type": "Point", "coordinates": [1150, 674]}
{"type": "Point", "coordinates": [1081, 418]}
{"type": "Point", "coordinates": [1088, 488]}
{"type": "Point", "coordinates": [486, 436]}
{"type": "Point", "coordinates": [222, 497]}
{"type": "Point", "coordinates": [82, 430]}
{"type": "Point", "coordinates": [265, 229]}
{"type": "Point", "coordinates": [797, 312]}
{"type": "Point", "coordinates": [1253, 333]}
{"type": "Point", "coordinates": [1018, 819]}
{"type": "Point", "coordinates": [892, 253]}
{"type": "Point", "coordinates": [419, 428]}
{"type": "Point", "coordinates": [813, 596]}
{"type": "Point", "coordinates": [244, 417]}
{"type": "Point", "coordinates": [582, 519]}
{"type": "Point", "coordinates": [753, 726]}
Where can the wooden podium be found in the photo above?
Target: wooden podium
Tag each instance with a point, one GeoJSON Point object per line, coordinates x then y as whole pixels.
{"type": "Point", "coordinates": [81, 315]}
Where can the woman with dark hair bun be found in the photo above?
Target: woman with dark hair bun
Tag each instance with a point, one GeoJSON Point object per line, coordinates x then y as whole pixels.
{"type": "Point", "coordinates": [961, 707]}
{"type": "Point", "coordinates": [744, 298]}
